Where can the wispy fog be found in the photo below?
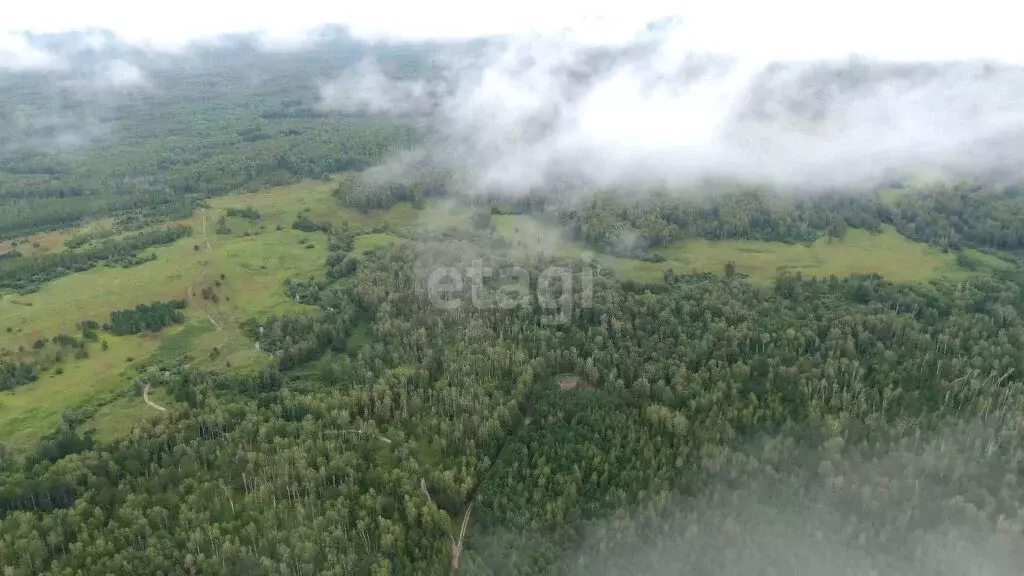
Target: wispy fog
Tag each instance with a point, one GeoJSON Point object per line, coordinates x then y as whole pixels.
{"type": "Point", "coordinates": [936, 504]}
{"type": "Point", "coordinates": [120, 74]}
{"type": "Point", "coordinates": [18, 54]}
{"type": "Point", "coordinates": [662, 111]}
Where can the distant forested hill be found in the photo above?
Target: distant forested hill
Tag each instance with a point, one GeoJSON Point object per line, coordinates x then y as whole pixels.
{"type": "Point", "coordinates": [85, 141]}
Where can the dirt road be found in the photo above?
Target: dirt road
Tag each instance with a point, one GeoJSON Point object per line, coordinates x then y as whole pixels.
{"type": "Point", "coordinates": [145, 396]}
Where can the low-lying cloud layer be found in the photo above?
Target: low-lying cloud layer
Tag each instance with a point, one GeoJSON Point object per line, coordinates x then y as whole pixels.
{"type": "Point", "coordinates": [17, 54]}
{"type": "Point", "coordinates": [794, 94]}
{"type": "Point", "coordinates": [935, 504]}
{"type": "Point", "coordinates": [366, 90]}
{"type": "Point", "coordinates": [661, 112]}
{"type": "Point", "coordinates": [120, 75]}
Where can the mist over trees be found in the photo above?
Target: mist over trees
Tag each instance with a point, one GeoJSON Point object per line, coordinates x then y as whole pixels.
{"type": "Point", "coordinates": [703, 423]}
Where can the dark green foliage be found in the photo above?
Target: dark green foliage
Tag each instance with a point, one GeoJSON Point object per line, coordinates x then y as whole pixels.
{"type": "Point", "coordinates": [304, 224]}
{"type": "Point", "coordinates": [704, 383]}
{"type": "Point", "coordinates": [369, 193]}
{"type": "Point", "coordinates": [208, 293]}
{"type": "Point", "coordinates": [146, 318]}
{"type": "Point", "coordinates": [79, 240]}
{"type": "Point", "coordinates": [129, 260]}
{"type": "Point", "coordinates": [14, 374]}
{"type": "Point", "coordinates": [611, 224]}
{"type": "Point", "coordinates": [963, 215]}
{"type": "Point", "coordinates": [247, 212]}
{"type": "Point", "coordinates": [90, 330]}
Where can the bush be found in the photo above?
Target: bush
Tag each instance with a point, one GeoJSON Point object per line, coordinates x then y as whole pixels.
{"type": "Point", "coordinates": [248, 212]}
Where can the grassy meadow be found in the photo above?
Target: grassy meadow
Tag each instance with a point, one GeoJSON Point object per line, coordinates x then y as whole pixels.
{"type": "Point", "coordinates": [860, 252]}
{"type": "Point", "coordinates": [246, 267]}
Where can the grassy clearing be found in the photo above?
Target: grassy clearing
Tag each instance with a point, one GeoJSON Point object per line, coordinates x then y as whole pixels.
{"type": "Point", "coordinates": [117, 419]}
{"type": "Point", "coordinates": [254, 268]}
{"type": "Point", "coordinates": [988, 261]}
{"type": "Point", "coordinates": [93, 294]}
{"type": "Point", "coordinates": [888, 253]}
{"type": "Point", "coordinates": [39, 243]}
{"type": "Point", "coordinates": [368, 242]}
{"type": "Point", "coordinates": [280, 206]}
{"type": "Point", "coordinates": [31, 411]}
{"type": "Point", "coordinates": [245, 268]}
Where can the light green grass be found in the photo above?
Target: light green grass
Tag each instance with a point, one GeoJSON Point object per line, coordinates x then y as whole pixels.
{"type": "Point", "coordinates": [888, 253]}
{"type": "Point", "coordinates": [989, 261]}
{"type": "Point", "coordinates": [93, 294]}
{"type": "Point", "coordinates": [117, 419]}
{"type": "Point", "coordinates": [31, 411]}
{"type": "Point", "coordinates": [860, 252]}
{"type": "Point", "coordinates": [254, 269]}
{"type": "Point", "coordinates": [368, 242]}
{"type": "Point", "coordinates": [314, 198]}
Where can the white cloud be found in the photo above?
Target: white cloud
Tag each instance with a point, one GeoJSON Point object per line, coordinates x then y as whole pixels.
{"type": "Point", "coordinates": [902, 30]}
{"type": "Point", "coordinates": [665, 112]}
{"type": "Point", "coordinates": [17, 54]}
{"type": "Point", "coordinates": [366, 90]}
{"type": "Point", "coordinates": [668, 113]}
{"type": "Point", "coordinates": [121, 75]}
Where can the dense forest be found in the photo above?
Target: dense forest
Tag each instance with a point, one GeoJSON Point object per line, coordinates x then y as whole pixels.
{"type": "Point", "coordinates": [893, 409]}
{"type": "Point", "coordinates": [211, 129]}
{"type": "Point", "coordinates": [702, 424]}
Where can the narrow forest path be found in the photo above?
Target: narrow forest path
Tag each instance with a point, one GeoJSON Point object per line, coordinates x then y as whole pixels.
{"type": "Point", "coordinates": [145, 397]}
{"type": "Point", "coordinates": [191, 298]}
{"type": "Point", "coordinates": [206, 264]}
{"type": "Point", "coordinates": [202, 274]}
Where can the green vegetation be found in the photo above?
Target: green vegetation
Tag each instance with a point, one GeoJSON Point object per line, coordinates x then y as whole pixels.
{"type": "Point", "coordinates": [25, 275]}
{"type": "Point", "coordinates": [247, 212]}
{"type": "Point", "coordinates": [298, 398]}
{"type": "Point", "coordinates": [254, 271]}
{"type": "Point", "coordinates": [210, 130]}
{"type": "Point", "coordinates": [859, 252]}
{"type": "Point", "coordinates": [30, 412]}
{"type": "Point", "coordinates": [146, 318]}
{"type": "Point", "coordinates": [461, 409]}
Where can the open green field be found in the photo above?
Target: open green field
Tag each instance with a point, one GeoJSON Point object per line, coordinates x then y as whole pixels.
{"type": "Point", "coordinates": [117, 418]}
{"type": "Point", "coordinates": [93, 294]}
{"type": "Point", "coordinates": [254, 268]}
{"type": "Point", "coordinates": [314, 198]}
{"type": "Point", "coordinates": [30, 411]}
{"type": "Point", "coordinates": [246, 268]}
{"type": "Point", "coordinates": [860, 252]}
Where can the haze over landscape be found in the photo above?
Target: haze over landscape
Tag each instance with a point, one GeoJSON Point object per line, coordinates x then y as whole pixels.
{"type": "Point", "coordinates": [770, 266]}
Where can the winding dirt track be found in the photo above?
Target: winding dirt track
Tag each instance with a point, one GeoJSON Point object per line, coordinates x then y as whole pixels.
{"type": "Point", "coordinates": [191, 296]}
{"type": "Point", "coordinates": [202, 274]}
{"type": "Point", "coordinates": [145, 397]}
